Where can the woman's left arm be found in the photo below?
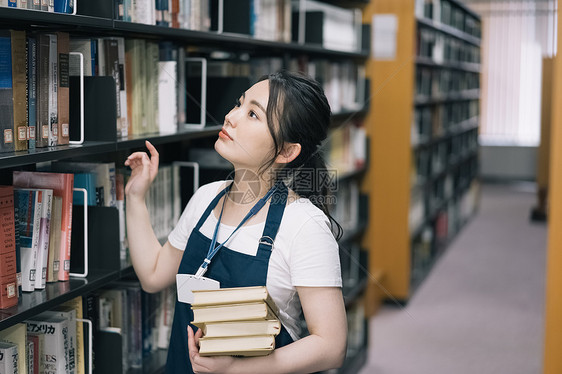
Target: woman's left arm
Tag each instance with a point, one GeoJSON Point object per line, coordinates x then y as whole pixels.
{"type": "Point", "coordinates": [323, 349]}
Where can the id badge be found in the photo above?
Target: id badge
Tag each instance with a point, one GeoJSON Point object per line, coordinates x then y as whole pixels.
{"type": "Point", "coordinates": [189, 282]}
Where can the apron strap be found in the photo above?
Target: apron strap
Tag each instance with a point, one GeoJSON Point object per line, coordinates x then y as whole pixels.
{"type": "Point", "coordinates": [273, 221]}
{"type": "Point", "coordinates": [211, 206]}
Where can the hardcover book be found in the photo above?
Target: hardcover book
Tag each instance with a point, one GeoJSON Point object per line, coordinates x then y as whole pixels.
{"type": "Point", "coordinates": [29, 207]}
{"type": "Point", "coordinates": [19, 88]}
{"type": "Point", "coordinates": [232, 312]}
{"type": "Point", "coordinates": [16, 334]}
{"type": "Point", "coordinates": [8, 265]}
{"type": "Point", "coordinates": [241, 328]}
{"type": "Point", "coordinates": [8, 358]}
{"type": "Point", "coordinates": [63, 110]}
{"type": "Point", "coordinates": [55, 352]}
{"type": "Point", "coordinates": [6, 93]}
{"type": "Point", "coordinates": [237, 346]}
{"type": "Point", "coordinates": [62, 185]}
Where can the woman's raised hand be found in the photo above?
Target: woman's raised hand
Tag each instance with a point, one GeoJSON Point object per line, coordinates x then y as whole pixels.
{"type": "Point", "coordinates": [144, 170]}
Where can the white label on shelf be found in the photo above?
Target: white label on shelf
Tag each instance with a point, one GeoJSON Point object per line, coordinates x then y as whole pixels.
{"type": "Point", "coordinates": [385, 28]}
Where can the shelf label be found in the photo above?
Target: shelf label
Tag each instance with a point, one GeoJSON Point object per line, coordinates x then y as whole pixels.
{"type": "Point", "coordinates": [385, 28]}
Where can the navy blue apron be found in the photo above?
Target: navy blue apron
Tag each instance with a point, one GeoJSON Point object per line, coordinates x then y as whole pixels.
{"type": "Point", "coordinates": [230, 268]}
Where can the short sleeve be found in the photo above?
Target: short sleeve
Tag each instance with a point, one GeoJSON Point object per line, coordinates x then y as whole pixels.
{"type": "Point", "coordinates": [191, 214]}
{"type": "Point", "coordinates": [314, 255]}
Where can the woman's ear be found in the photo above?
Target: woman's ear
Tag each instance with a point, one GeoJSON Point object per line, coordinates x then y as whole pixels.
{"type": "Point", "coordinates": [289, 152]}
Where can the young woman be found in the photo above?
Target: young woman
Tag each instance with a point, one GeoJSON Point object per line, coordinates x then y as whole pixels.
{"type": "Point", "coordinates": [271, 137]}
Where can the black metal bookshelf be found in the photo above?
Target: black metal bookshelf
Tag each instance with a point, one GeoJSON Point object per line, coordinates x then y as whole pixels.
{"type": "Point", "coordinates": [448, 30]}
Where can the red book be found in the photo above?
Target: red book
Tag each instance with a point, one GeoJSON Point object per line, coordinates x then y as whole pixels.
{"type": "Point", "coordinates": [61, 184]}
{"type": "Point", "coordinates": [8, 264]}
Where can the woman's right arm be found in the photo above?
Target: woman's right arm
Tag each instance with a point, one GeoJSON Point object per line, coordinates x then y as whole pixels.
{"type": "Point", "coordinates": [155, 265]}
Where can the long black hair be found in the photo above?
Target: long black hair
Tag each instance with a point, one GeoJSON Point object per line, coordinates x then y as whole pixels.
{"type": "Point", "coordinates": [298, 112]}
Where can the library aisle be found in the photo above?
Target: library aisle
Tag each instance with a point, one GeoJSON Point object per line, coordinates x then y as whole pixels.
{"type": "Point", "coordinates": [481, 310]}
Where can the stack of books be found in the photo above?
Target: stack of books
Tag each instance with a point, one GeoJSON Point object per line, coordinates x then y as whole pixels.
{"type": "Point", "coordinates": [238, 321]}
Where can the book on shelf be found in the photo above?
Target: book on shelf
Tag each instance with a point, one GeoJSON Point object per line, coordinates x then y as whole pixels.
{"type": "Point", "coordinates": [52, 90]}
{"type": "Point", "coordinates": [61, 184]}
{"type": "Point", "coordinates": [8, 261]}
{"type": "Point", "coordinates": [241, 328]}
{"type": "Point", "coordinates": [6, 93]}
{"type": "Point", "coordinates": [32, 91]}
{"type": "Point", "coordinates": [69, 314]}
{"type": "Point", "coordinates": [234, 295]}
{"type": "Point", "coordinates": [237, 346]}
{"type": "Point", "coordinates": [44, 237]}
{"type": "Point", "coordinates": [63, 84]}
{"type": "Point", "coordinates": [9, 358]}
{"type": "Point", "coordinates": [43, 117]}
{"type": "Point", "coordinates": [29, 207]}
{"type": "Point", "coordinates": [56, 347]}
{"type": "Point", "coordinates": [16, 334]}
{"type": "Point", "coordinates": [35, 365]}
{"type": "Point", "coordinates": [76, 305]}
{"type": "Point", "coordinates": [19, 78]}
{"type": "Point", "coordinates": [53, 257]}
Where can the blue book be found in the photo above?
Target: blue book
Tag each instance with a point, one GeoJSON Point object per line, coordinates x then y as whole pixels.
{"type": "Point", "coordinates": [63, 6]}
{"type": "Point", "coordinates": [6, 94]}
{"type": "Point", "coordinates": [13, 3]}
{"type": "Point", "coordinates": [32, 92]}
{"type": "Point", "coordinates": [28, 202]}
{"type": "Point", "coordinates": [88, 182]}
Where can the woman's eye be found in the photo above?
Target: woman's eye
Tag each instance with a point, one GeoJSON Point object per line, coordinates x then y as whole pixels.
{"type": "Point", "coordinates": [253, 114]}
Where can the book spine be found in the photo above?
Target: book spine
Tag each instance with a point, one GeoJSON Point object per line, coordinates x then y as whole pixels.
{"type": "Point", "coordinates": [32, 92]}
{"type": "Point", "coordinates": [43, 249]}
{"type": "Point", "coordinates": [62, 6]}
{"type": "Point", "coordinates": [63, 111]}
{"type": "Point", "coordinates": [9, 359]}
{"type": "Point", "coordinates": [112, 69]}
{"type": "Point", "coordinates": [55, 346]}
{"type": "Point", "coordinates": [8, 266]}
{"type": "Point", "coordinates": [12, 3]}
{"type": "Point", "coordinates": [27, 201]}
{"type": "Point", "coordinates": [19, 86]}
{"type": "Point", "coordinates": [6, 94]}
{"type": "Point", "coordinates": [124, 119]}
{"type": "Point", "coordinates": [53, 87]}
{"type": "Point", "coordinates": [53, 262]}
{"type": "Point", "coordinates": [43, 120]}
{"type": "Point", "coordinates": [66, 228]}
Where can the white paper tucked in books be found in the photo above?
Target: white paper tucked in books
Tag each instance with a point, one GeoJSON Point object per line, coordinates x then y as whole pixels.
{"type": "Point", "coordinates": [189, 282]}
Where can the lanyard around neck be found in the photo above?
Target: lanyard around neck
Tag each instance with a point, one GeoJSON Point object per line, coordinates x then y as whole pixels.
{"type": "Point", "coordinates": [214, 248]}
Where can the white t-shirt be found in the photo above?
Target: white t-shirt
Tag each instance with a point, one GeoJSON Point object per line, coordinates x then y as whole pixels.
{"type": "Point", "coordinates": [305, 252]}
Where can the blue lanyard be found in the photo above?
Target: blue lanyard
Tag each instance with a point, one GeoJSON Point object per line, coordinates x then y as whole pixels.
{"type": "Point", "coordinates": [213, 248]}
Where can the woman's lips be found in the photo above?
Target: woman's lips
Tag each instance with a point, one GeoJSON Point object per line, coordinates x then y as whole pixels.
{"type": "Point", "coordinates": [225, 135]}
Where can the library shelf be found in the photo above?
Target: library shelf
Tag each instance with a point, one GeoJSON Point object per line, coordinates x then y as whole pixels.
{"type": "Point", "coordinates": [155, 363]}
{"type": "Point", "coordinates": [135, 141]}
{"type": "Point", "coordinates": [462, 66]}
{"type": "Point", "coordinates": [14, 16]}
{"type": "Point", "coordinates": [461, 128]}
{"type": "Point", "coordinates": [473, 94]}
{"type": "Point", "coordinates": [350, 174]}
{"type": "Point", "coordinates": [228, 40]}
{"type": "Point", "coordinates": [33, 303]}
{"type": "Point", "coordinates": [354, 233]}
{"type": "Point", "coordinates": [448, 30]}
{"type": "Point", "coordinates": [32, 156]}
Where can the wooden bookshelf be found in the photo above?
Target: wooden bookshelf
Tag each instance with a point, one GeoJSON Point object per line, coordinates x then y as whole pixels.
{"type": "Point", "coordinates": [447, 148]}
{"type": "Point", "coordinates": [553, 323]}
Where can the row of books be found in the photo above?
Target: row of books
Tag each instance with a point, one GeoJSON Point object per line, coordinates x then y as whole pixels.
{"type": "Point", "coordinates": [50, 342]}
{"type": "Point", "coordinates": [433, 235]}
{"type": "Point", "coordinates": [449, 13]}
{"type": "Point", "coordinates": [346, 205]}
{"type": "Point", "coordinates": [427, 162]}
{"type": "Point", "coordinates": [57, 6]}
{"type": "Point", "coordinates": [346, 148]}
{"type": "Point", "coordinates": [444, 48]}
{"type": "Point", "coordinates": [434, 82]}
{"type": "Point", "coordinates": [143, 320]}
{"type": "Point", "coordinates": [431, 122]}
{"type": "Point", "coordinates": [277, 20]}
{"type": "Point", "coordinates": [451, 188]}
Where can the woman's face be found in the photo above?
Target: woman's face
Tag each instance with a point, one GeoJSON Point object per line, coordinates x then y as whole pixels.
{"type": "Point", "coordinates": [245, 139]}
